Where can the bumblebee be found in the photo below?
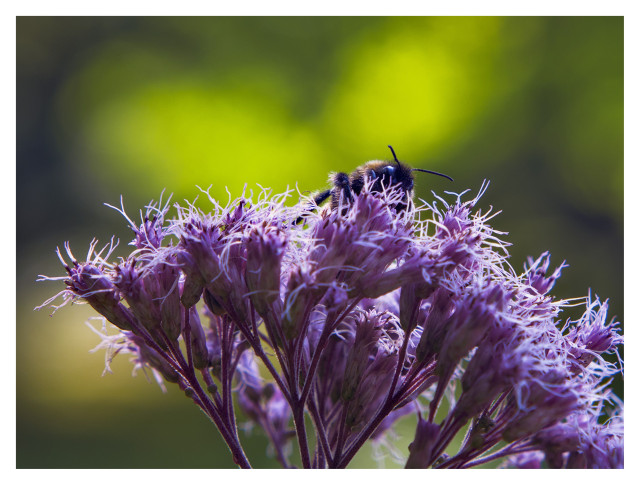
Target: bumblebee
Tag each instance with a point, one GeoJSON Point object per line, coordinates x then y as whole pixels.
{"type": "Point", "coordinates": [383, 173]}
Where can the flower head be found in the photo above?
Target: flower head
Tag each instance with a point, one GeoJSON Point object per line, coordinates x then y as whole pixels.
{"type": "Point", "coordinates": [360, 315]}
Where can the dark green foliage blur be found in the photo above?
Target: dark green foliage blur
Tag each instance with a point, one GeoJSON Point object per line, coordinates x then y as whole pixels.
{"type": "Point", "coordinates": [132, 106]}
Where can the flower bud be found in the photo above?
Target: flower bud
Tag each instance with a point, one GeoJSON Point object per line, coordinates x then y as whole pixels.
{"type": "Point", "coordinates": [265, 248]}
{"type": "Point", "coordinates": [89, 282]}
{"type": "Point", "coordinates": [383, 283]}
{"type": "Point", "coordinates": [198, 341]}
{"type": "Point", "coordinates": [527, 460]}
{"type": "Point", "coordinates": [549, 398]}
{"type": "Point", "coordinates": [214, 349]}
{"type": "Point", "coordinates": [435, 325]}
{"type": "Point", "coordinates": [213, 304]}
{"type": "Point", "coordinates": [558, 438]}
{"type": "Point", "coordinates": [301, 295]}
{"type": "Point", "coordinates": [133, 286]}
{"type": "Point", "coordinates": [537, 270]}
{"type": "Point", "coordinates": [200, 240]}
{"type": "Point", "coordinates": [150, 233]}
{"type": "Point", "coordinates": [166, 291]}
{"type": "Point", "coordinates": [470, 322]}
{"type": "Point", "coordinates": [592, 335]}
{"type": "Point", "coordinates": [364, 345]}
{"type": "Point", "coordinates": [151, 357]}
{"type": "Point", "coordinates": [483, 379]}
{"type": "Point", "coordinates": [193, 284]}
{"type": "Point", "coordinates": [371, 389]}
{"type": "Point", "coordinates": [421, 449]}
{"type": "Point", "coordinates": [411, 297]}
{"type": "Point", "coordinates": [335, 301]}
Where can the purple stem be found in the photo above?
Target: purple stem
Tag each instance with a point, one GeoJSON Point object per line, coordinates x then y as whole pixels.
{"type": "Point", "coordinates": [341, 438]}
{"type": "Point", "coordinates": [298, 420]}
{"type": "Point", "coordinates": [512, 449]}
{"type": "Point", "coordinates": [230, 436]}
{"type": "Point", "coordinates": [187, 339]}
{"type": "Point", "coordinates": [320, 431]}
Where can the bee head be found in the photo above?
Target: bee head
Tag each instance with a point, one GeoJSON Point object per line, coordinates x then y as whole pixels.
{"type": "Point", "coordinates": [395, 175]}
{"type": "Point", "coordinates": [417, 169]}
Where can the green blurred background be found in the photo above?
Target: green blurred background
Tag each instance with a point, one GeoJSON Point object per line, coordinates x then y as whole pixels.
{"type": "Point", "coordinates": [132, 106]}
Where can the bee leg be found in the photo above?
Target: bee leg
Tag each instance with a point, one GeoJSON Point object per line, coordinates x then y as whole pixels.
{"type": "Point", "coordinates": [342, 190]}
{"type": "Point", "coordinates": [318, 199]}
{"type": "Point", "coordinates": [322, 196]}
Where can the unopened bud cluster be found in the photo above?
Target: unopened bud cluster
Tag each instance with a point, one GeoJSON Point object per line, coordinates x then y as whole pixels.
{"type": "Point", "coordinates": [336, 327]}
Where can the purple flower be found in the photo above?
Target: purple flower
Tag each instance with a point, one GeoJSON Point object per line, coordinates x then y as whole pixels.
{"type": "Point", "coordinates": [591, 336]}
{"type": "Point", "coordinates": [353, 319]}
{"type": "Point", "coordinates": [526, 460]}
{"type": "Point", "coordinates": [91, 282]}
{"type": "Point", "coordinates": [602, 445]}
{"type": "Point", "coordinates": [421, 449]}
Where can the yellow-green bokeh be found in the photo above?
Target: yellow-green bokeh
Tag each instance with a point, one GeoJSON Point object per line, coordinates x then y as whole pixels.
{"type": "Point", "coordinates": [133, 106]}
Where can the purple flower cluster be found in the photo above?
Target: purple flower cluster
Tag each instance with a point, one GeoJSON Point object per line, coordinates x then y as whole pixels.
{"type": "Point", "coordinates": [353, 319]}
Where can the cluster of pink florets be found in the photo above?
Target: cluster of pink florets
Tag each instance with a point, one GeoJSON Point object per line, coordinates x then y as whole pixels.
{"type": "Point", "coordinates": [358, 316]}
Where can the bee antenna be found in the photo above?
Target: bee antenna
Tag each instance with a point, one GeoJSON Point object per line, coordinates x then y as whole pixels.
{"type": "Point", "coordinates": [394, 154]}
{"type": "Point", "coordinates": [431, 171]}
